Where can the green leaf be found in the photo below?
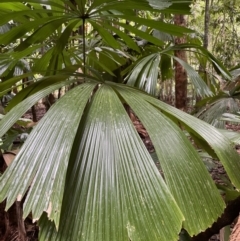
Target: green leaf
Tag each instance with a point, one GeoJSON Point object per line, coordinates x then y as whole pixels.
{"type": "Point", "coordinates": [162, 36]}
{"type": "Point", "coordinates": [144, 75]}
{"type": "Point", "coordinates": [231, 117]}
{"type": "Point", "coordinates": [8, 139]}
{"type": "Point", "coordinates": [6, 85]}
{"type": "Point", "coordinates": [44, 2]}
{"type": "Point", "coordinates": [208, 134]}
{"type": "Point", "coordinates": [94, 61]}
{"type": "Point", "coordinates": [81, 6]}
{"type": "Point", "coordinates": [229, 194]}
{"type": "Point", "coordinates": [42, 32]}
{"type": "Point", "coordinates": [213, 113]}
{"type": "Point", "coordinates": [234, 136]}
{"type": "Point", "coordinates": [140, 33]}
{"type": "Point", "coordinates": [20, 30]}
{"type": "Point", "coordinates": [166, 68]}
{"type": "Point", "coordinates": [159, 25]}
{"type": "Point", "coordinates": [45, 171]}
{"type": "Point", "coordinates": [13, 6]}
{"type": "Point", "coordinates": [36, 87]}
{"type": "Point", "coordinates": [101, 5]}
{"type": "Point", "coordinates": [27, 13]}
{"type": "Point", "coordinates": [113, 189]}
{"type": "Point", "coordinates": [200, 86]}
{"type": "Point", "coordinates": [105, 35]}
{"type": "Point", "coordinates": [125, 37]}
{"type": "Point", "coordinates": [64, 37]}
{"type": "Point", "coordinates": [217, 65]}
{"type": "Point", "coordinates": [179, 7]}
{"type": "Point", "coordinates": [41, 64]}
{"type": "Point", "coordinates": [183, 169]}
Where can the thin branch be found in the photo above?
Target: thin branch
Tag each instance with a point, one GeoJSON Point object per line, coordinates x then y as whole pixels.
{"type": "Point", "coordinates": [84, 47]}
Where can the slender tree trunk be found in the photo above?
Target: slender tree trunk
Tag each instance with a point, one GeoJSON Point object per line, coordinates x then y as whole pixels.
{"type": "Point", "coordinates": [202, 66]}
{"type": "Point", "coordinates": [180, 73]}
{"type": "Point", "coordinates": [206, 24]}
{"type": "Point", "coordinates": [34, 114]}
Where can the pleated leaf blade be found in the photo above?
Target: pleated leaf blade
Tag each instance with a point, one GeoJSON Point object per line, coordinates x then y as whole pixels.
{"type": "Point", "coordinates": [16, 112]}
{"type": "Point", "coordinates": [183, 169]}
{"type": "Point", "coordinates": [200, 86]}
{"type": "Point", "coordinates": [207, 134]}
{"type": "Point", "coordinates": [42, 161]}
{"type": "Point", "coordinates": [144, 75]}
{"type": "Point", "coordinates": [113, 189]}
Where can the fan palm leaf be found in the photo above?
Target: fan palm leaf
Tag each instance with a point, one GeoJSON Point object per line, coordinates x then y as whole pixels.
{"type": "Point", "coordinates": [78, 157]}
{"type": "Point", "coordinates": [146, 71]}
{"type": "Point", "coordinates": [84, 172]}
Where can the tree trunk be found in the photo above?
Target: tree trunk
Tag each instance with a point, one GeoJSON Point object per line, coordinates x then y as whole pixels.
{"type": "Point", "coordinates": [202, 66]}
{"type": "Point", "coordinates": [206, 24]}
{"type": "Point", "coordinates": [180, 73]}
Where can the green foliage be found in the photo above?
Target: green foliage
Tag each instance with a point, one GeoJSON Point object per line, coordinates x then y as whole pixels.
{"type": "Point", "coordinates": [84, 171]}
{"type": "Point", "coordinates": [224, 28]}
{"type": "Point", "coordinates": [226, 100]}
{"type": "Point", "coordinates": [158, 61]}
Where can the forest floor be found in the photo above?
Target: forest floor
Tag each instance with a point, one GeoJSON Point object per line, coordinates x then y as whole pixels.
{"type": "Point", "coordinates": [9, 226]}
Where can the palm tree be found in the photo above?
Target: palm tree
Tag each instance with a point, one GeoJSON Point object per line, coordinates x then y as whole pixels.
{"type": "Point", "coordinates": [84, 172]}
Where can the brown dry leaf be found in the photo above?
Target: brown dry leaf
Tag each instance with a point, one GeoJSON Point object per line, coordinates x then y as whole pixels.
{"type": "Point", "coordinates": [9, 156]}
{"type": "Point", "coordinates": [235, 236]}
